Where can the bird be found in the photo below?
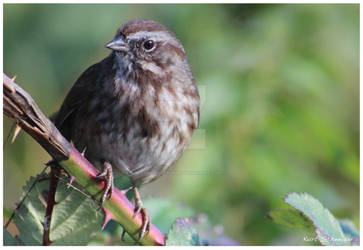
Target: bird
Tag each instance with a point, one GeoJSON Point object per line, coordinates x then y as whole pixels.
{"type": "Point", "coordinates": [134, 112]}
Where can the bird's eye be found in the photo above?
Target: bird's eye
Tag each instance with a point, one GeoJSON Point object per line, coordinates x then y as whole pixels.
{"type": "Point", "coordinates": [149, 44]}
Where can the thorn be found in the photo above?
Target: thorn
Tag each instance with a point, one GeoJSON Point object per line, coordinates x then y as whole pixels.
{"type": "Point", "coordinates": [13, 78]}
{"type": "Point", "coordinates": [16, 132]}
{"type": "Point", "coordinates": [125, 191]}
{"type": "Point", "coordinates": [123, 234]}
{"type": "Point", "coordinates": [108, 217]}
{"type": "Point", "coordinates": [83, 151]}
{"type": "Point", "coordinates": [10, 86]}
{"type": "Point", "coordinates": [72, 179]}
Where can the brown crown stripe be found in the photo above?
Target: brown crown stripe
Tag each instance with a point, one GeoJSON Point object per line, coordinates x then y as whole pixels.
{"type": "Point", "coordinates": [141, 25]}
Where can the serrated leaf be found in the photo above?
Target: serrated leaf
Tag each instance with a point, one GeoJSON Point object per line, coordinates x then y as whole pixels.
{"type": "Point", "coordinates": [291, 218]}
{"type": "Point", "coordinates": [350, 230]}
{"type": "Point", "coordinates": [182, 233]}
{"type": "Point", "coordinates": [9, 240]}
{"type": "Point", "coordinates": [326, 226]}
{"type": "Point", "coordinates": [75, 217]}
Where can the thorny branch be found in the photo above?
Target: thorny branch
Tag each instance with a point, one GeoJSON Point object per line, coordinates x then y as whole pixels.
{"type": "Point", "coordinates": [20, 106]}
{"type": "Point", "coordinates": [54, 171]}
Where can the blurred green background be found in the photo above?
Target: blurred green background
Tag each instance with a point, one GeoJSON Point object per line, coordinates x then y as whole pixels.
{"type": "Point", "coordinates": [280, 103]}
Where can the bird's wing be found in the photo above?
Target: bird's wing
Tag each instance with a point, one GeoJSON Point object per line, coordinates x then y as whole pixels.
{"type": "Point", "coordinates": [78, 96]}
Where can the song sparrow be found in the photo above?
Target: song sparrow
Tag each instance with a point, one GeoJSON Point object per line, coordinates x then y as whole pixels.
{"type": "Point", "coordinates": [135, 111]}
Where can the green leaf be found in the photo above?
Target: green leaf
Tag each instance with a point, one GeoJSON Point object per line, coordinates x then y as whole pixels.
{"type": "Point", "coordinates": [182, 233]}
{"type": "Point", "coordinates": [350, 231]}
{"type": "Point", "coordinates": [326, 226]}
{"type": "Point", "coordinates": [291, 218]}
{"type": "Point", "coordinates": [164, 212]}
{"type": "Point", "coordinates": [7, 212]}
{"type": "Point", "coordinates": [211, 235]}
{"type": "Point", "coordinates": [9, 240]}
{"type": "Point", "coordinates": [75, 218]}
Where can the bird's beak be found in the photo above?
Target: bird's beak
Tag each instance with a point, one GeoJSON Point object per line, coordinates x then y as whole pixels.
{"type": "Point", "coordinates": [117, 44]}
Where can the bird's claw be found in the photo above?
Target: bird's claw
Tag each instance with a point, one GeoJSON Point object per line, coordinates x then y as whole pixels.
{"type": "Point", "coordinates": [146, 224]}
{"type": "Point", "coordinates": [146, 221]}
{"type": "Point", "coordinates": [107, 177]}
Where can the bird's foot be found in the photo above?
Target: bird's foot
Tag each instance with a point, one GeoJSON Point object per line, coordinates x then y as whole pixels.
{"type": "Point", "coordinates": [107, 177]}
{"type": "Point", "coordinates": [146, 221]}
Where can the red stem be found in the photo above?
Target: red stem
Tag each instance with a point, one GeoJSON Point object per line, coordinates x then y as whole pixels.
{"type": "Point", "coordinates": [54, 173]}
